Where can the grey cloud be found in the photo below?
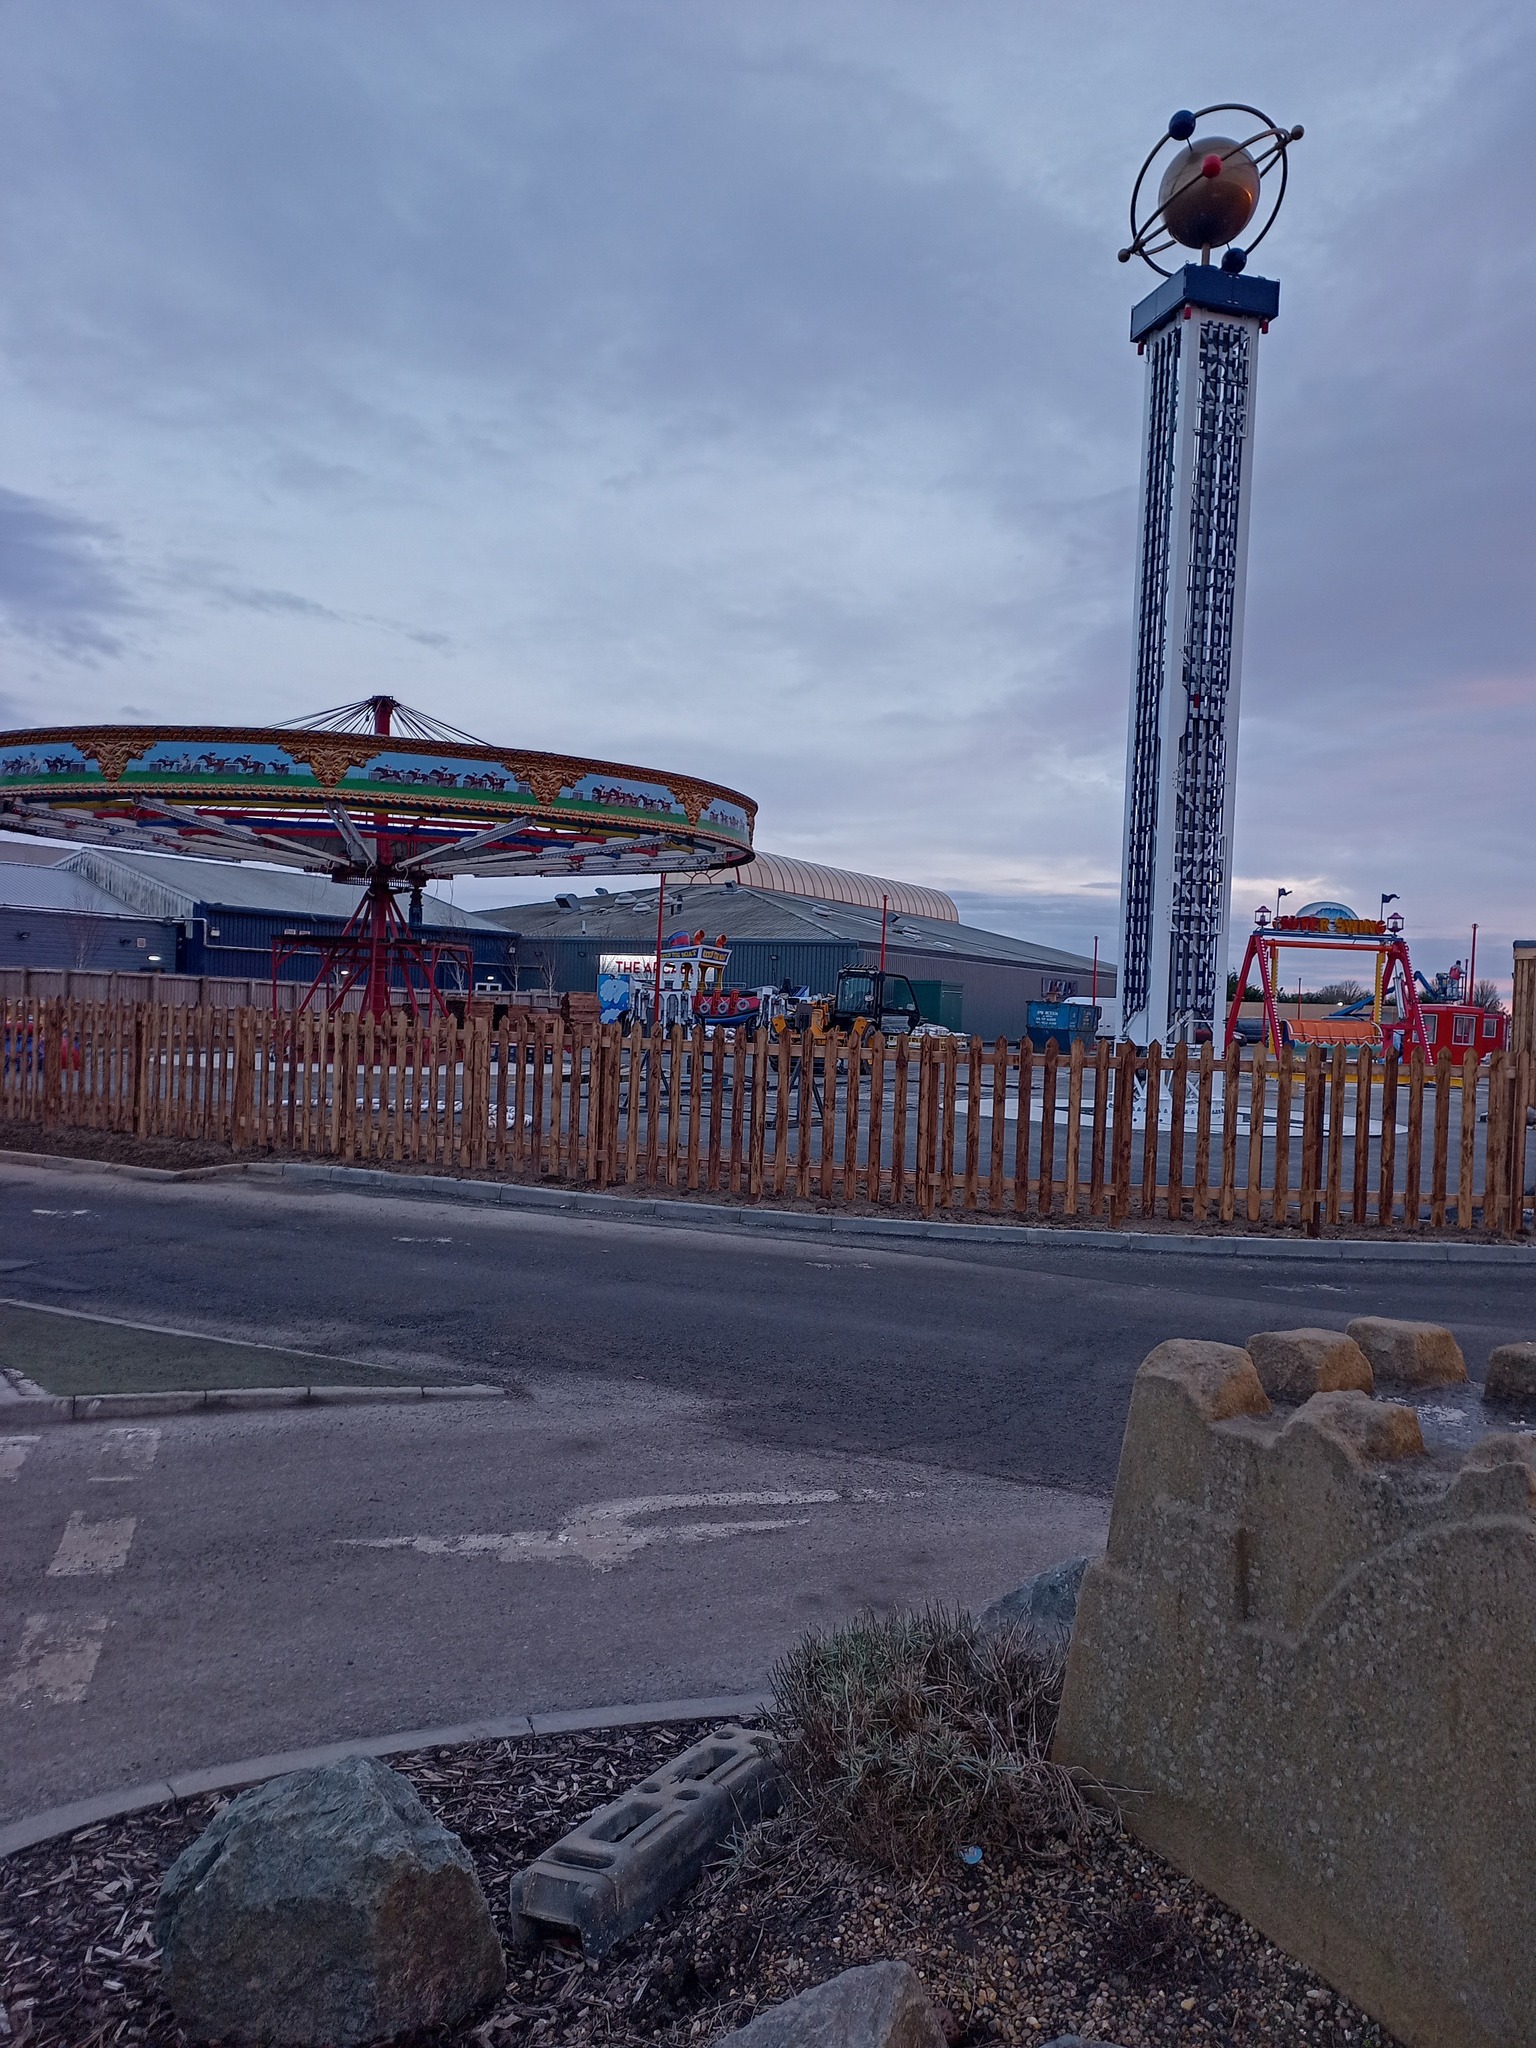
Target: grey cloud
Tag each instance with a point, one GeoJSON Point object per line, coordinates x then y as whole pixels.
{"type": "Point", "coordinates": [57, 583]}
{"type": "Point", "coordinates": [577, 320]}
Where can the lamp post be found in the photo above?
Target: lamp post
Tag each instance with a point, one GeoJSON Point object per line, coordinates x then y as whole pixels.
{"type": "Point", "coordinates": [1389, 896]}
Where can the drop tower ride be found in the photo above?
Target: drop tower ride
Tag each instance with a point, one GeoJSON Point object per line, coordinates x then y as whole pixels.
{"type": "Point", "coordinates": [1198, 334]}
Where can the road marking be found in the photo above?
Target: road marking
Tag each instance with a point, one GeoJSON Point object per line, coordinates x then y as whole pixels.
{"type": "Point", "coordinates": [91, 1549]}
{"type": "Point", "coordinates": [604, 1534]}
{"type": "Point", "coordinates": [423, 1240]}
{"type": "Point", "coordinates": [132, 1449]}
{"type": "Point", "coordinates": [57, 1658]}
{"type": "Point", "coordinates": [61, 1212]}
{"type": "Point", "coordinates": [13, 1454]}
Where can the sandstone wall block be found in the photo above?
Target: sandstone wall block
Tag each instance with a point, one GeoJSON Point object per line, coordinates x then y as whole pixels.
{"type": "Point", "coordinates": [1409, 1354]}
{"type": "Point", "coordinates": [1292, 1364]}
{"type": "Point", "coordinates": [1307, 1664]}
{"type": "Point", "coordinates": [329, 1907]}
{"type": "Point", "coordinates": [1511, 1373]}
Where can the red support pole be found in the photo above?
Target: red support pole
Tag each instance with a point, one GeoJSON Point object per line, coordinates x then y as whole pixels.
{"type": "Point", "coordinates": [1242, 983]}
{"type": "Point", "coordinates": [661, 909]}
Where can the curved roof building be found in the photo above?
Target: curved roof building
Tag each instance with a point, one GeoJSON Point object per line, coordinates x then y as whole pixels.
{"type": "Point", "coordinates": [782, 876]}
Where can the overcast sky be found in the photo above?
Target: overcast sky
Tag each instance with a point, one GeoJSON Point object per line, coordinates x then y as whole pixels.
{"type": "Point", "coordinates": [744, 388]}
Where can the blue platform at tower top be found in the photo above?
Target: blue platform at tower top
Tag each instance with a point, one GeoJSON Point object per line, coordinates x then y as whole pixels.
{"type": "Point", "coordinates": [1203, 284]}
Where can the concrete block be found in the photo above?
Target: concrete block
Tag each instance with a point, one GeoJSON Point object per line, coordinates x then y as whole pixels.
{"type": "Point", "coordinates": [609, 1875]}
{"type": "Point", "coordinates": [1295, 1364]}
{"type": "Point", "coordinates": [1511, 1373]}
{"type": "Point", "coordinates": [1409, 1354]}
{"type": "Point", "coordinates": [1311, 1651]}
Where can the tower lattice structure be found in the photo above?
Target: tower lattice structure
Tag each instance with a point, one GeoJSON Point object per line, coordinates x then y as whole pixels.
{"type": "Point", "coordinates": [1198, 334]}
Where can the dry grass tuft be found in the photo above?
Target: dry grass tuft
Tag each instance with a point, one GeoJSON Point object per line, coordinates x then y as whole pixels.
{"type": "Point", "coordinates": [910, 1737]}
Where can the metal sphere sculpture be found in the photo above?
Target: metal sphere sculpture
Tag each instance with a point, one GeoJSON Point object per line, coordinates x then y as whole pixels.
{"type": "Point", "coordinates": [1210, 189]}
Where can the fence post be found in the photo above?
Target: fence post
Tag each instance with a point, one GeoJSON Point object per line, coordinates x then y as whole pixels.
{"type": "Point", "coordinates": [240, 1102]}
{"type": "Point", "coordinates": [1386, 1175]}
{"type": "Point", "coordinates": [1258, 1082]}
{"type": "Point", "coordinates": [1045, 1187]}
{"type": "Point", "coordinates": [999, 1160]}
{"type": "Point", "coordinates": [1124, 1134]}
{"type": "Point", "coordinates": [1280, 1180]}
{"type": "Point", "coordinates": [899, 1121]}
{"type": "Point", "coordinates": [1231, 1094]}
{"type": "Point", "coordinates": [1337, 1080]}
{"type": "Point", "coordinates": [1178, 1091]}
{"type": "Point", "coordinates": [1468, 1135]}
{"type": "Point", "coordinates": [1150, 1132]}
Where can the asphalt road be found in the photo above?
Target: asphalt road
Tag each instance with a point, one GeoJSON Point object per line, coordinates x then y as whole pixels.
{"type": "Point", "coordinates": [710, 1441]}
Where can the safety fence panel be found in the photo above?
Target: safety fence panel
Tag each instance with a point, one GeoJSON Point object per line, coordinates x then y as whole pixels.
{"type": "Point", "coordinates": [934, 1124]}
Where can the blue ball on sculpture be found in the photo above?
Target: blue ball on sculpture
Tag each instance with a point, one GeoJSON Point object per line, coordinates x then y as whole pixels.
{"type": "Point", "coordinates": [1182, 125]}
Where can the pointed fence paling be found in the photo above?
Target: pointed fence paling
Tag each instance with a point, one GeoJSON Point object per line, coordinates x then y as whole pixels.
{"type": "Point", "coordinates": [936, 1125]}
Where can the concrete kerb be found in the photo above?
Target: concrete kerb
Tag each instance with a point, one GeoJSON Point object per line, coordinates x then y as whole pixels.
{"type": "Point", "coordinates": [720, 1216]}
{"type": "Point", "coordinates": [16, 1408]}
{"type": "Point", "coordinates": [83, 1813]}
{"type": "Point", "coordinates": [675, 1214]}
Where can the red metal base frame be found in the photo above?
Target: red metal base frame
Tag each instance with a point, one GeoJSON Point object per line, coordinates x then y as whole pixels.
{"type": "Point", "coordinates": [378, 955]}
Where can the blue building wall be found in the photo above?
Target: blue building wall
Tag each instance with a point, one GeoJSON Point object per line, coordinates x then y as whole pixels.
{"type": "Point", "coordinates": [238, 942]}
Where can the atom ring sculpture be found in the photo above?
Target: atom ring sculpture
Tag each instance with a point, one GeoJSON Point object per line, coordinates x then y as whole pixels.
{"type": "Point", "coordinates": [1210, 189]}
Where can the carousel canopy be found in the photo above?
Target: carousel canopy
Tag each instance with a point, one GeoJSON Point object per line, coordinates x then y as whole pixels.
{"type": "Point", "coordinates": [362, 790]}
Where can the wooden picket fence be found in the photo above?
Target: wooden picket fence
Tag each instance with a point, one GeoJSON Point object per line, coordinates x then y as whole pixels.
{"type": "Point", "coordinates": [933, 1124]}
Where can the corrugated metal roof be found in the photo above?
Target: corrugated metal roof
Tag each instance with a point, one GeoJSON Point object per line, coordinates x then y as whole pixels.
{"type": "Point", "coordinates": [167, 885]}
{"type": "Point", "coordinates": [26, 886]}
{"type": "Point", "coordinates": [786, 877]}
{"type": "Point", "coordinates": [625, 920]}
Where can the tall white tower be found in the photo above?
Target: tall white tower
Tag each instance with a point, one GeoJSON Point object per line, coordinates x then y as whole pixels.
{"type": "Point", "coordinates": [1199, 337]}
{"type": "Point", "coordinates": [1198, 334]}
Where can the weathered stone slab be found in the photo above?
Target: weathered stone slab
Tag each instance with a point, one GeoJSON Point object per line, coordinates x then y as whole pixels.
{"type": "Point", "coordinates": [1511, 1373]}
{"type": "Point", "coordinates": [327, 1906]}
{"type": "Point", "coordinates": [1295, 1364]}
{"type": "Point", "coordinates": [880, 2005]}
{"type": "Point", "coordinates": [1409, 1354]}
{"type": "Point", "coordinates": [1046, 1605]}
{"type": "Point", "coordinates": [1310, 1657]}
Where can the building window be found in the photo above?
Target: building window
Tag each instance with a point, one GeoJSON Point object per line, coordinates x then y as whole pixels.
{"type": "Point", "coordinates": [1461, 1030]}
{"type": "Point", "coordinates": [1490, 1027]}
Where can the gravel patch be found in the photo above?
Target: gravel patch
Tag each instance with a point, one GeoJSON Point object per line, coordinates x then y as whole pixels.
{"type": "Point", "coordinates": [1110, 1943]}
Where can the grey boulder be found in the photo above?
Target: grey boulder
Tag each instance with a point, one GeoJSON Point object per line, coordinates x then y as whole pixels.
{"type": "Point", "coordinates": [880, 2005]}
{"type": "Point", "coordinates": [1045, 1604]}
{"type": "Point", "coordinates": [329, 1907]}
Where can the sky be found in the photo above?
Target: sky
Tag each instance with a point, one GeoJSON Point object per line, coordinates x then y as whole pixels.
{"type": "Point", "coordinates": [745, 390]}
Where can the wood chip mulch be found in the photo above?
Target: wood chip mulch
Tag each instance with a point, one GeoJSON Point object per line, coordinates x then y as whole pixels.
{"type": "Point", "coordinates": [1112, 1944]}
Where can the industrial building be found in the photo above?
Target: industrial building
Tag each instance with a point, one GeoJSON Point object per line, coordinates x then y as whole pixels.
{"type": "Point", "coordinates": [115, 911]}
{"type": "Point", "coordinates": [791, 921]}
{"type": "Point", "coordinates": [102, 911]}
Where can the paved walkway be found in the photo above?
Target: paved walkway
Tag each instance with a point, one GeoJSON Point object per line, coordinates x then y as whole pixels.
{"type": "Point", "coordinates": [712, 1441]}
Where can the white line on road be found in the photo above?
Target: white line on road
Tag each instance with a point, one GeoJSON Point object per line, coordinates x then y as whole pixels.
{"type": "Point", "coordinates": [128, 1453]}
{"type": "Point", "coordinates": [13, 1454]}
{"type": "Point", "coordinates": [604, 1534]}
{"type": "Point", "coordinates": [91, 1549]}
{"type": "Point", "coordinates": [57, 1659]}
